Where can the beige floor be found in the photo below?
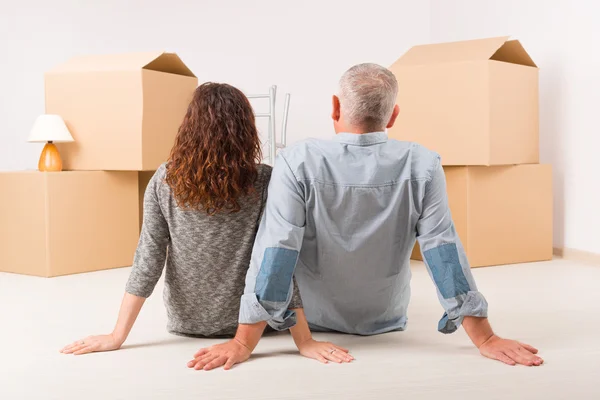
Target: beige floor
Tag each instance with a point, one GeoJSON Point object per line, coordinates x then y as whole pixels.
{"type": "Point", "coordinates": [553, 305]}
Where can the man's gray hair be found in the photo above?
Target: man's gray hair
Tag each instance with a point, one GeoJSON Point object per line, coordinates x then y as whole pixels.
{"type": "Point", "coordinates": [367, 96]}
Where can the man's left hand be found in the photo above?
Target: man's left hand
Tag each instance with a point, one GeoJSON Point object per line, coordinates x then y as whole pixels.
{"type": "Point", "coordinates": [225, 354]}
{"type": "Point", "coordinates": [510, 352]}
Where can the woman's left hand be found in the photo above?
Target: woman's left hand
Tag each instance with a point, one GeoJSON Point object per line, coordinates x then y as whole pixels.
{"type": "Point", "coordinates": [93, 344]}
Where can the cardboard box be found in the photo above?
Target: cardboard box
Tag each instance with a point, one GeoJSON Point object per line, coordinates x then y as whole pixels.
{"type": "Point", "coordinates": [58, 223]}
{"type": "Point", "coordinates": [503, 214]}
{"type": "Point", "coordinates": [474, 102]}
{"type": "Point", "coordinates": [122, 110]}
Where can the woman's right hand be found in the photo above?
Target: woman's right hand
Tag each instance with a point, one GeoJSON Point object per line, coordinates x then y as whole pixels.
{"type": "Point", "coordinates": [324, 352]}
{"type": "Point", "coordinates": [93, 344]}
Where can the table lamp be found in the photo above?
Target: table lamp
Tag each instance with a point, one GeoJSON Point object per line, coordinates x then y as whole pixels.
{"type": "Point", "coordinates": [50, 129]}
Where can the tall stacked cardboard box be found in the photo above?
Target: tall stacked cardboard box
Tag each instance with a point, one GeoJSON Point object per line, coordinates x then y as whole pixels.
{"type": "Point", "coordinates": [123, 112]}
{"type": "Point", "coordinates": [476, 104]}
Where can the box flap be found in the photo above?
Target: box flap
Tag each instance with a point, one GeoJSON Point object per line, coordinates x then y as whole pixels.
{"type": "Point", "coordinates": [165, 62]}
{"type": "Point", "coordinates": [479, 49]}
{"type": "Point", "coordinates": [171, 63]}
{"type": "Point", "coordinates": [514, 53]}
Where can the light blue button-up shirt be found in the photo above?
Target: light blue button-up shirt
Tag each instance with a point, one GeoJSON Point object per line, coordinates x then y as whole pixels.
{"type": "Point", "coordinates": [343, 217]}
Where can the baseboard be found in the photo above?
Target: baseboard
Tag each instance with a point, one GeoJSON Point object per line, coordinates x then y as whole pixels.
{"type": "Point", "coordinates": [577, 255]}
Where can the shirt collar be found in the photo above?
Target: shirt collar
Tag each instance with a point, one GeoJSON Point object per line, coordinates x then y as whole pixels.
{"type": "Point", "coordinates": [361, 139]}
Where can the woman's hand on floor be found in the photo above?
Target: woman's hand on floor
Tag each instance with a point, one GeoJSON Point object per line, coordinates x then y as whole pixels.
{"type": "Point", "coordinates": [93, 344]}
{"type": "Point", "coordinates": [324, 352]}
{"type": "Point", "coordinates": [510, 352]}
{"type": "Point", "coordinates": [225, 354]}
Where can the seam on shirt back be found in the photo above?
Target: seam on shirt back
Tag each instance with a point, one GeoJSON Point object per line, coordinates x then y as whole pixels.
{"type": "Point", "coordinates": [374, 185]}
{"type": "Point", "coordinates": [436, 165]}
{"type": "Point", "coordinates": [301, 193]}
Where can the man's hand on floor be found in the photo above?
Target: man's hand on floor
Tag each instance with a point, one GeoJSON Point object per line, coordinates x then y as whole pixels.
{"type": "Point", "coordinates": [93, 344]}
{"type": "Point", "coordinates": [510, 352]}
{"type": "Point", "coordinates": [491, 346]}
{"type": "Point", "coordinates": [225, 354]}
{"type": "Point", "coordinates": [324, 352]}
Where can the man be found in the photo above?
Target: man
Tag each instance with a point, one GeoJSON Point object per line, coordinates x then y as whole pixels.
{"type": "Point", "coordinates": [343, 216]}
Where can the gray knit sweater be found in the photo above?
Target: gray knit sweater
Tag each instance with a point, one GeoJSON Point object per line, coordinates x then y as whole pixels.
{"type": "Point", "coordinates": [207, 258]}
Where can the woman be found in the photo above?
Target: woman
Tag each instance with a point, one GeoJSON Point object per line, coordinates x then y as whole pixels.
{"type": "Point", "coordinates": [201, 213]}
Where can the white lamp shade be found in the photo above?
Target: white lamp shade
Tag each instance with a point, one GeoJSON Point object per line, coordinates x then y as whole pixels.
{"type": "Point", "coordinates": [50, 128]}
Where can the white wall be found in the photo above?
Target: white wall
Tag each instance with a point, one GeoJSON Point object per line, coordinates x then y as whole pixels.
{"type": "Point", "coordinates": [313, 42]}
{"type": "Point", "coordinates": [302, 46]}
{"type": "Point", "coordinates": [563, 38]}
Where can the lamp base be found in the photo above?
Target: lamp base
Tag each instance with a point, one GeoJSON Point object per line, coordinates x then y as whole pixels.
{"type": "Point", "coordinates": [50, 160]}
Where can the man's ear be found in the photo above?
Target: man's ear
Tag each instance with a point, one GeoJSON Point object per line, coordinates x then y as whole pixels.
{"type": "Point", "coordinates": [394, 116]}
{"type": "Point", "coordinates": [335, 113]}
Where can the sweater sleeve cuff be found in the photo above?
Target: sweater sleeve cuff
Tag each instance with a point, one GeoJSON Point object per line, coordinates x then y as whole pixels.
{"type": "Point", "coordinates": [144, 291]}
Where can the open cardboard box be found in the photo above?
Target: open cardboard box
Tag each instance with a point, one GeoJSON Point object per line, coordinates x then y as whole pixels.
{"type": "Point", "coordinates": [474, 102]}
{"type": "Point", "coordinates": [123, 110]}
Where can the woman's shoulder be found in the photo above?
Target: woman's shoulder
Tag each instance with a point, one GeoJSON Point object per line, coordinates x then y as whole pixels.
{"type": "Point", "coordinates": [155, 179]}
{"type": "Point", "coordinates": [264, 169]}
{"type": "Point", "coordinates": [161, 173]}
{"type": "Point", "coordinates": [264, 173]}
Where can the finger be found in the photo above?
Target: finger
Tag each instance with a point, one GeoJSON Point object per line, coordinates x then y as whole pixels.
{"type": "Point", "coordinates": [529, 348]}
{"type": "Point", "coordinates": [538, 361]}
{"type": "Point", "coordinates": [229, 364]}
{"type": "Point", "coordinates": [205, 357]}
{"type": "Point", "coordinates": [195, 361]}
{"type": "Point", "coordinates": [505, 359]}
{"type": "Point", "coordinates": [344, 356]}
{"type": "Point", "coordinates": [519, 358]}
{"type": "Point", "coordinates": [84, 350]}
{"type": "Point", "coordinates": [202, 363]}
{"type": "Point", "coordinates": [70, 346]}
{"type": "Point", "coordinates": [535, 360]}
{"type": "Point", "coordinates": [74, 348]}
{"type": "Point", "coordinates": [217, 362]}
{"type": "Point", "coordinates": [322, 359]}
{"type": "Point", "coordinates": [332, 357]}
{"type": "Point", "coordinates": [66, 348]}
{"type": "Point", "coordinates": [200, 353]}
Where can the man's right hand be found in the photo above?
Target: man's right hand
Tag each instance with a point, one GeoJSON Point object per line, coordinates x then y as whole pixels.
{"type": "Point", "coordinates": [324, 352]}
{"type": "Point", "coordinates": [510, 352]}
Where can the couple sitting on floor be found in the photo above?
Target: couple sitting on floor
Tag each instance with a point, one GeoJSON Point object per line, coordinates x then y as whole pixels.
{"type": "Point", "coordinates": [324, 248]}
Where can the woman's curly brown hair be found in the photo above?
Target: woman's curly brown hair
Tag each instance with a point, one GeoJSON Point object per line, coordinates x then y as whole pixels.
{"type": "Point", "coordinates": [214, 159]}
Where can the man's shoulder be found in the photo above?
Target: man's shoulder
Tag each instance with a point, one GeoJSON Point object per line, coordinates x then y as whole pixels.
{"type": "Point", "coordinates": [416, 149]}
{"type": "Point", "coordinates": [306, 156]}
{"type": "Point", "coordinates": [421, 159]}
{"type": "Point", "coordinates": [305, 145]}
{"type": "Point", "coordinates": [299, 151]}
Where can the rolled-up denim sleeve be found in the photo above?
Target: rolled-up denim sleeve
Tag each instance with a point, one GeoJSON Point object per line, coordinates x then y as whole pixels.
{"type": "Point", "coordinates": [445, 257]}
{"type": "Point", "coordinates": [269, 281]}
